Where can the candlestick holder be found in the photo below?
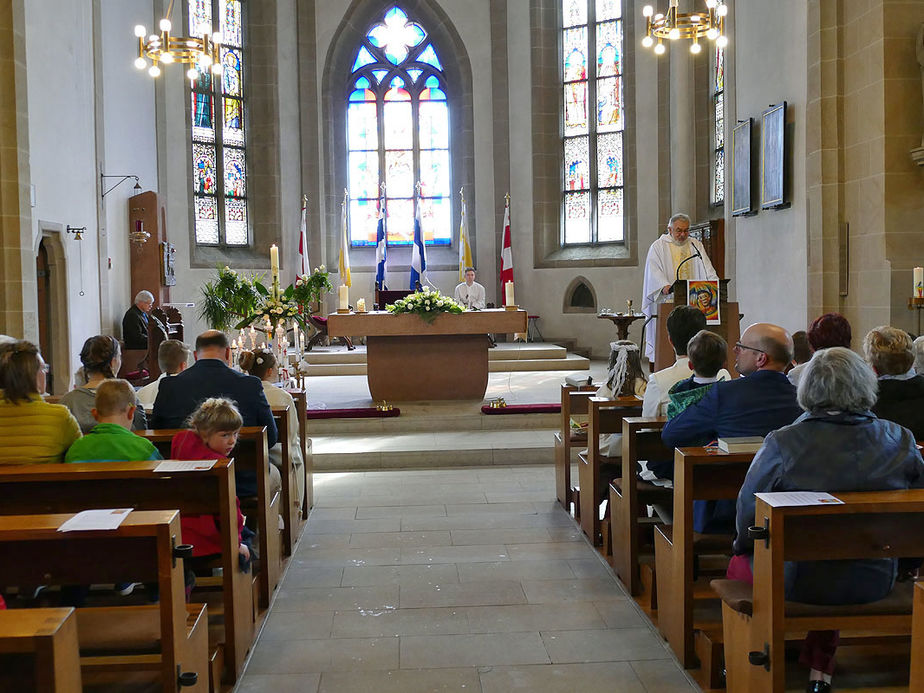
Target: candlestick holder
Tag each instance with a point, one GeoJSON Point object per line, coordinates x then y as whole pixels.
{"type": "Point", "coordinates": [343, 311]}
{"type": "Point", "coordinates": [512, 307]}
{"type": "Point", "coordinates": [916, 303]}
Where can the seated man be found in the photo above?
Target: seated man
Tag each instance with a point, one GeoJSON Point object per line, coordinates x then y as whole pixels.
{"type": "Point", "coordinates": [211, 376]}
{"type": "Point", "coordinates": [470, 293]}
{"type": "Point", "coordinates": [173, 357]}
{"type": "Point", "coordinates": [683, 323]}
{"type": "Point", "coordinates": [135, 321]}
{"type": "Point", "coordinates": [761, 402]}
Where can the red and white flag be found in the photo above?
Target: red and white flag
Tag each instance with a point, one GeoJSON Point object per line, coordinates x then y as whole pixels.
{"type": "Point", "coordinates": [506, 274]}
{"type": "Point", "coordinates": [304, 267]}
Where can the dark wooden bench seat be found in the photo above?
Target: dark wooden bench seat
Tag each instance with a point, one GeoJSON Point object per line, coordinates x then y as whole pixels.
{"type": "Point", "coordinates": [39, 651]}
{"type": "Point", "coordinates": [573, 403]}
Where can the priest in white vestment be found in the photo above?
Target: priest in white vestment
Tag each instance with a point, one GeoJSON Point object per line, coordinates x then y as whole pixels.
{"type": "Point", "coordinates": [664, 257]}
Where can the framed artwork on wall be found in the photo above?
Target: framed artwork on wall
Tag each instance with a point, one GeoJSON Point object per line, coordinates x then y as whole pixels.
{"type": "Point", "coordinates": [741, 169]}
{"type": "Point", "coordinates": [773, 157]}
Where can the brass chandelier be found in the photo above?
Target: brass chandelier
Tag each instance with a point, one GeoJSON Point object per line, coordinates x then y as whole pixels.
{"type": "Point", "coordinates": [200, 53]}
{"type": "Point", "coordinates": [677, 25]}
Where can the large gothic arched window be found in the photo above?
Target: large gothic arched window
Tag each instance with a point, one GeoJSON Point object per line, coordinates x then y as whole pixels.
{"type": "Point", "coordinates": [717, 83]}
{"type": "Point", "coordinates": [398, 134]}
{"type": "Point", "coordinates": [593, 122]}
{"type": "Point", "coordinates": [219, 156]}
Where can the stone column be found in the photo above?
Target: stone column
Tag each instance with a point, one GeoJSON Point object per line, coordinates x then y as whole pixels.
{"type": "Point", "coordinates": [683, 131]}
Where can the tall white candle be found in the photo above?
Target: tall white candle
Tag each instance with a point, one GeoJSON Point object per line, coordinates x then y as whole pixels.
{"type": "Point", "coordinates": [508, 294]}
{"type": "Point", "coordinates": [918, 282]}
{"type": "Point", "coordinates": [344, 297]}
{"type": "Point", "coordinates": [274, 258]}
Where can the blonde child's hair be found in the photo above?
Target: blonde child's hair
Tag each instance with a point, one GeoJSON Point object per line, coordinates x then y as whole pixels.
{"type": "Point", "coordinates": [214, 415]}
{"type": "Point", "coordinates": [114, 396]}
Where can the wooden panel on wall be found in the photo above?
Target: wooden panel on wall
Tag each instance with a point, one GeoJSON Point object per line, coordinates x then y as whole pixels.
{"type": "Point", "coordinates": [146, 259]}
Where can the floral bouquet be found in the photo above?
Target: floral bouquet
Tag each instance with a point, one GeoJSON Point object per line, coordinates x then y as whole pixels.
{"type": "Point", "coordinates": [310, 288]}
{"type": "Point", "coordinates": [427, 303]}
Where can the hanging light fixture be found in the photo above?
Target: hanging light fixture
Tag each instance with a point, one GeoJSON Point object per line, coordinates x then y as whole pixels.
{"type": "Point", "coordinates": [694, 26]}
{"type": "Point", "coordinates": [200, 53]}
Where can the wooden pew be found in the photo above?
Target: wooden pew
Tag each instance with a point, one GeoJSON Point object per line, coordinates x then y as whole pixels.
{"type": "Point", "coordinates": [878, 524]}
{"type": "Point", "coordinates": [631, 530]}
{"type": "Point", "coordinates": [48, 488]}
{"type": "Point", "coordinates": [165, 642]}
{"type": "Point", "coordinates": [301, 407]}
{"type": "Point", "coordinates": [251, 453]}
{"type": "Point", "coordinates": [39, 651]}
{"type": "Point", "coordinates": [699, 474]}
{"type": "Point", "coordinates": [291, 506]}
{"type": "Point", "coordinates": [917, 640]}
{"type": "Point", "coordinates": [573, 403]}
{"type": "Point", "coordinates": [595, 470]}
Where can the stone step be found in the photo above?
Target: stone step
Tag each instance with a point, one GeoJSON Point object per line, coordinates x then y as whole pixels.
{"type": "Point", "coordinates": [569, 362]}
{"type": "Point", "coordinates": [503, 352]}
{"type": "Point", "coordinates": [409, 423]}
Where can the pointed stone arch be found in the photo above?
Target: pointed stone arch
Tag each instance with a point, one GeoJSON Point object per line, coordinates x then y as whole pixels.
{"type": "Point", "coordinates": [580, 296]}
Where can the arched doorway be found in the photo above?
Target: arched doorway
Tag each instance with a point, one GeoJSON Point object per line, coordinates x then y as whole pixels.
{"type": "Point", "coordinates": [45, 324]}
{"type": "Point", "coordinates": [54, 337]}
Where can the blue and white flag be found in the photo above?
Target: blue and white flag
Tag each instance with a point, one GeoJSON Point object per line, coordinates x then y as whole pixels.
{"type": "Point", "coordinates": [381, 247]}
{"type": "Point", "coordinates": [418, 253]}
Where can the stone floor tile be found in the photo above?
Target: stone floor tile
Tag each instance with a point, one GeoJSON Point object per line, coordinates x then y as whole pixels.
{"type": "Point", "coordinates": [371, 623]}
{"type": "Point", "coordinates": [572, 533]}
{"type": "Point", "coordinates": [279, 683]}
{"type": "Point", "coordinates": [453, 554]}
{"type": "Point", "coordinates": [591, 567]}
{"type": "Point", "coordinates": [533, 617]}
{"type": "Point", "coordinates": [465, 537]}
{"type": "Point", "coordinates": [385, 524]}
{"type": "Point", "coordinates": [479, 508]}
{"type": "Point", "coordinates": [402, 681]}
{"type": "Point", "coordinates": [336, 598]}
{"type": "Point", "coordinates": [383, 539]}
{"type": "Point", "coordinates": [536, 552]}
{"type": "Point", "coordinates": [621, 613]}
{"type": "Point", "coordinates": [462, 594]}
{"type": "Point", "coordinates": [297, 625]}
{"type": "Point", "coordinates": [306, 576]}
{"type": "Point", "coordinates": [315, 656]}
{"type": "Point", "coordinates": [604, 645]}
{"type": "Point", "coordinates": [441, 651]}
{"type": "Point", "coordinates": [338, 557]}
{"type": "Point", "coordinates": [333, 514]}
{"type": "Point", "coordinates": [401, 511]}
{"type": "Point", "coordinates": [427, 574]}
{"type": "Point", "coordinates": [324, 541]}
{"type": "Point", "coordinates": [515, 570]}
{"type": "Point", "coordinates": [485, 520]}
{"type": "Point", "coordinates": [606, 677]}
{"type": "Point", "coordinates": [662, 676]}
{"type": "Point", "coordinates": [557, 591]}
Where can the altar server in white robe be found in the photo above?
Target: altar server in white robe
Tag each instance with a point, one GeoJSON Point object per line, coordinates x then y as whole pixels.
{"type": "Point", "coordinates": [664, 257]}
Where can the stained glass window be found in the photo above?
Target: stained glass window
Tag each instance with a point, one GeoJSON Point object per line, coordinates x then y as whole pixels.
{"type": "Point", "coordinates": [718, 125]}
{"type": "Point", "coordinates": [398, 134]}
{"type": "Point", "coordinates": [218, 111]}
{"type": "Point", "coordinates": [593, 121]}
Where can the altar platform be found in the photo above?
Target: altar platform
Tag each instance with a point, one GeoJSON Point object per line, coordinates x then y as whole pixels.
{"type": "Point", "coordinates": [444, 434]}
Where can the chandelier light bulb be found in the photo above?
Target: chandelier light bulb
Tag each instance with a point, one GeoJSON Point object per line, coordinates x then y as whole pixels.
{"type": "Point", "coordinates": [140, 31]}
{"type": "Point", "coordinates": [722, 41]}
{"type": "Point", "coordinates": [647, 42]}
{"type": "Point", "coordinates": [710, 4]}
{"type": "Point", "coordinates": [192, 74]}
{"type": "Point", "coordinates": [712, 34]}
{"type": "Point", "coordinates": [217, 37]}
{"type": "Point", "coordinates": [154, 71]}
{"type": "Point", "coordinates": [659, 49]}
{"type": "Point", "coordinates": [674, 35]}
{"type": "Point", "coordinates": [205, 60]}
{"type": "Point", "coordinates": [154, 38]}
{"type": "Point", "coordinates": [165, 24]}
{"type": "Point", "coordinates": [695, 48]}
{"type": "Point", "coordinates": [694, 18]}
{"type": "Point", "coordinates": [216, 68]}
{"type": "Point", "coordinates": [721, 10]}
{"type": "Point", "coordinates": [647, 11]}
{"type": "Point", "coordinates": [658, 17]}
{"type": "Point", "coordinates": [141, 63]}
{"type": "Point", "coordinates": [166, 58]}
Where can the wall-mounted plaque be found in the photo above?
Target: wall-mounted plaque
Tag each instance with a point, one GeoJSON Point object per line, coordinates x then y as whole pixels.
{"type": "Point", "coordinates": [167, 264]}
{"type": "Point", "coordinates": [741, 169]}
{"type": "Point", "coordinates": [773, 157]}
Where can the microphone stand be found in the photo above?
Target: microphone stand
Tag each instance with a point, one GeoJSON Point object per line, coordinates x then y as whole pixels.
{"type": "Point", "coordinates": [696, 253]}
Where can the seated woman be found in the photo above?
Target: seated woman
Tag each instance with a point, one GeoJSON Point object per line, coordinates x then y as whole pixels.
{"type": "Point", "coordinates": [262, 364]}
{"type": "Point", "coordinates": [901, 391]}
{"type": "Point", "coordinates": [101, 357]}
{"type": "Point", "coordinates": [32, 431]}
{"type": "Point", "coordinates": [838, 444]}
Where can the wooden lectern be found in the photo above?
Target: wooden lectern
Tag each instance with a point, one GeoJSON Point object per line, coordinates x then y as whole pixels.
{"type": "Point", "coordinates": [729, 329]}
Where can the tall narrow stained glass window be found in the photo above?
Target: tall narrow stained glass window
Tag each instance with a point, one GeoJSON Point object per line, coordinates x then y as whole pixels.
{"type": "Point", "coordinates": [398, 134]}
{"type": "Point", "coordinates": [219, 154]}
{"type": "Point", "coordinates": [718, 126]}
{"type": "Point", "coordinates": [593, 121]}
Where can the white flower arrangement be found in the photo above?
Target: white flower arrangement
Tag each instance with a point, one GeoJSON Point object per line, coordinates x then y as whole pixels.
{"type": "Point", "coordinates": [427, 303]}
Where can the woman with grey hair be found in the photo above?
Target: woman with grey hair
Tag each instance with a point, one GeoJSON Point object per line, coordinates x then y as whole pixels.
{"type": "Point", "coordinates": [901, 391]}
{"type": "Point", "coordinates": [917, 347]}
{"type": "Point", "coordinates": [838, 444]}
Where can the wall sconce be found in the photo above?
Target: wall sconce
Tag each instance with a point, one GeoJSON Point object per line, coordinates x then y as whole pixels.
{"type": "Point", "coordinates": [78, 231]}
{"type": "Point", "coordinates": [103, 177]}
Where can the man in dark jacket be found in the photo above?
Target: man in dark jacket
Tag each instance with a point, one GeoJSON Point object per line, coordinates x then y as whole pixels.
{"type": "Point", "coordinates": [210, 376]}
{"type": "Point", "coordinates": [762, 401]}
{"type": "Point", "coordinates": [135, 321]}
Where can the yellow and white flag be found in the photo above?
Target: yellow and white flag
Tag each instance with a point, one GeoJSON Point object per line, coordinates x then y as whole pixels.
{"type": "Point", "coordinates": [465, 248]}
{"type": "Point", "coordinates": [344, 243]}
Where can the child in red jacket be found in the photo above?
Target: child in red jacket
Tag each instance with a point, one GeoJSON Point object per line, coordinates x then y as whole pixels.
{"type": "Point", "coordinates": [215, 426]}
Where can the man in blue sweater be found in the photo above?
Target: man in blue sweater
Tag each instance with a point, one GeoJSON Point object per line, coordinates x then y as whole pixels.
{"type": "Point", "coordinates": [762, 401]}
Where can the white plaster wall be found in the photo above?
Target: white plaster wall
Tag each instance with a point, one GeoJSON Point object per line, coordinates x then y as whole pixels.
{"type": "Point", "coordinates": [62, 148]}
{"type": "Point", "coordinates": [772, 247]}
{"type": "Point", "coordinates": [129, 137]}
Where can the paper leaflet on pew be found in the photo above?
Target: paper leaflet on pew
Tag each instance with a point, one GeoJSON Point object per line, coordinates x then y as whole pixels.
{"type": "Point", "coordinates": [790, 499]}
{"type": "Point", "coordinates": [185, 466]}
{"type": "Point", "coordinates": [104, 518]}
